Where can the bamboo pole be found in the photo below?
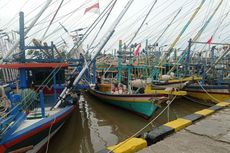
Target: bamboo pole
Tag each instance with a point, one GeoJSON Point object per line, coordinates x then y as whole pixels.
{"type": "Point", "coordinates": [196, 37]}
{"type": "Point", "coordinates": [181, 33]}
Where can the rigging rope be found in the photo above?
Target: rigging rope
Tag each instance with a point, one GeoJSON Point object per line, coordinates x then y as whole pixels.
{"type": "Point", "coordinates": [103, 24]}
{"type": "Point", "coordinates": [52, 19]}
{"type": "Point", "coordinates": [208, 93]}
{"type": "Point", "coordinates": [139, 28]}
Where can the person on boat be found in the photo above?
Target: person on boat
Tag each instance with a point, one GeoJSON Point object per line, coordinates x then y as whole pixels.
{"type": "Point", "coordinates": [120, 89]}
{"type": "Point", "coordinates": [97, 83]}
{"type": "Point", "coordinates": [115, 89]}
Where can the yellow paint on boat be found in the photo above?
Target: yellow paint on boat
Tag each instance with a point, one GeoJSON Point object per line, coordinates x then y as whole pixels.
{"type": "Point", "coordinates": [205, 112]}
{"type": "Point", "coordinates": [105, 87]}
{"type": "Point", "coordinates": [209, 97]}
{"type": "Point", "coordinates": [149, 90]}
{"type": "Point", "coordinates": [179, 124]}
{"type": "Point", "coordinates": [130, 146]}
{"type": "Point", "coordinates": [224, 104]}
{"type": "Point", "coordinates": [195, 78]}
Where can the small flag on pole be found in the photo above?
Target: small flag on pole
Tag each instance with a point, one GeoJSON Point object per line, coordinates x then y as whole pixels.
{"type": "Point", "coordinates": [137, 50]}
{"type": "Point", "coordinates": [93, 8]}
{"type": "Point", "coordinates": [209, 41]}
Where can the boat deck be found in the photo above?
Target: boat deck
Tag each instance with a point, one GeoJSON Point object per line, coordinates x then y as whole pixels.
{"type": "Point", "coordinates": [35, 115]}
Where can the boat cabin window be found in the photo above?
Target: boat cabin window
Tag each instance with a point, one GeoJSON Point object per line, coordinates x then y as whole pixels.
{"type": "Point", "coordinates": [39, 76]}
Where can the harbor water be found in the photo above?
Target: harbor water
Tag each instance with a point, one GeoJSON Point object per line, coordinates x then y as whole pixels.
{"type": "Point", "coordinates": [95, 125]}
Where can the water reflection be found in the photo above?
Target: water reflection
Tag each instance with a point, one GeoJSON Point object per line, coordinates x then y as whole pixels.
{"type": "Point", "coordinates": [96, 125]}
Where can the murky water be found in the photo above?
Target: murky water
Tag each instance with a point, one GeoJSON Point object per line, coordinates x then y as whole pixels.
{"type": "Point", "coordinates": [96, 125]}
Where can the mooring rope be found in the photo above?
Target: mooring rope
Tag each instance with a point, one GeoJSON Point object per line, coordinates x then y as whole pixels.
{"type": "Point", "coordinates": [49, 135]}
{"type": "Point", "coordinates": [208, 93]}
{"type": "Point", "coordinates": [145, 125]}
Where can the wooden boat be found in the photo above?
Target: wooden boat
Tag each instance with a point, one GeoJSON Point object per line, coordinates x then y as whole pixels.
{"type": "Point", "coordinates": [213, 93]}
{"type": "Point", "coordinates": [24, 126]}
{"type": "Point", "coordinates": [143, 104]}
{"type": "Point", "coordinates": [27, 117]}
{"type": "Point", "coordinates": [138, 103]}
{"type": "Point", "coordinates": [33, 134]}
{"type": "Point", "coordinates": [176, 83]}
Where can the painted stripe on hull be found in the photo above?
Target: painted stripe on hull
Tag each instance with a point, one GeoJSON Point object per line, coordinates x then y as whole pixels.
{"type": "Point", "coordinates": [222, 92]}
{"type": "Point", "coordinates": [35, 139]}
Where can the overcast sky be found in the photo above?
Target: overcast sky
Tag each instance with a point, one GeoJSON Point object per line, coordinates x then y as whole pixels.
{"type": "Point", "coordinates": [71, 15]}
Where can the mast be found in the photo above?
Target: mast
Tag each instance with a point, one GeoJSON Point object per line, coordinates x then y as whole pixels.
{"type": "Point", "coordinates": [181, 33]}
{"type": "Point", "coordinates": [168, 26]}
{"type": "Point", "coordinates": [196, 37]}
{"type": "Point", "coordinates": [103, 42]}
{"type": "Point", "coordinates": [29, 28]}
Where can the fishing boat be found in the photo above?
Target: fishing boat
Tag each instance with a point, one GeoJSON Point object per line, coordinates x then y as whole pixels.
{"type": "Point", "coordinates": [26, 126]}
{"type": "Point", "coordinates": [163, 84]}
{"type": "Point", "coordinates": [144, 99]}
{"type": "Point", "coordinates": [144, 104]}
{"type": "Point", "coordinates": [29, 130]}
{"type": "Point", "coordinates": [28, 117]}
{"type": "Point", "coordinates": [213, 87]}
{"type": "Point", "coordinates": [212, 93]}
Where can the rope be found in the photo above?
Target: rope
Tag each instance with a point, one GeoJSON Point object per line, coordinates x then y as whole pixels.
{"type": "Point", "coordinates": [144, 126]}
{"type": "Point", "coordinates": [208, 93]}
{"type": "Point", "coordinates": [111, 8]}
{"type": "Point", "coordinates": [52, 19]}
{"type": "Point", "coordinates": [48, 141]}
{"type": "Point", "coordinates": [139, 28]}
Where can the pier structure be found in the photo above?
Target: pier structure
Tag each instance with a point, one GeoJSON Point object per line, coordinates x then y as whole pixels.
{"type": "Point", "coordinates": [204, 131]}
{"type": "Point", "coordinates": [206, 136]}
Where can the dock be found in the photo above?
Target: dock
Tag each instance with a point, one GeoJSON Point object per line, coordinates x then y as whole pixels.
{"type": "Point", "coordinates": [210, 135]}
{"type": "Point", "coordinates": [204, 131]}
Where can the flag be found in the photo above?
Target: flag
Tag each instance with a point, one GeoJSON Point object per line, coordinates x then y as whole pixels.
{"type": "Point", "coordinates": [137, 50]}
{"type": "Point", "coordinates": [209, 41]}
{"type": "Point", "coordinates": [93, 8]}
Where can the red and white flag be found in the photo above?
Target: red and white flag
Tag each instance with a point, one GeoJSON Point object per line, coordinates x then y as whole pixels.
{"type": "Point", "coordinates": [209, 41]}
{"type": "Point", "coordinates": [94, 7]}
{"type": "Point", "coordinates": [137, 50]}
